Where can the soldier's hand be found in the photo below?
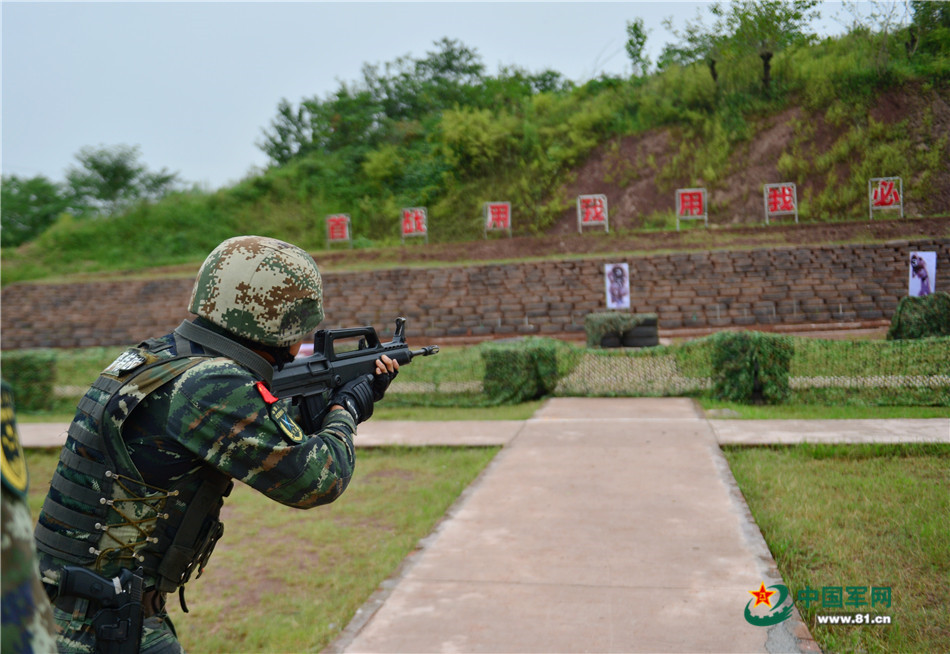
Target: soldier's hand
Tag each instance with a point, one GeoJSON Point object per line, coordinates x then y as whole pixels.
{"type": "Point", "coordinates": [386, 371]}
{"type": "Point", "coordinates": [356, 396]}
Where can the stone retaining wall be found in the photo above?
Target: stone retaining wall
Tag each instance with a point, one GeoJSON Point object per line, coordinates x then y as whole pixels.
{"type": "Point", "coordinates": [779, 286]}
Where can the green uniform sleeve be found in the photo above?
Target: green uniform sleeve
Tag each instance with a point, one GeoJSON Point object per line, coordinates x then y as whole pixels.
{"type": "Point", "coordinates": [223, 417]}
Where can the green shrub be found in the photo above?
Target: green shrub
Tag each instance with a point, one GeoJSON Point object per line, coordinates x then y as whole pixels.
{"type": "Point", "coordinates": [920, 317]}
{"type": "Point", "coordinates": [613, 323]}
{"type": "Point", "coordinates": [31, 374]}
{"type": "Point", "coordinates": [751, 367]}
{"type": "Point", "coordinates": [524, 370]}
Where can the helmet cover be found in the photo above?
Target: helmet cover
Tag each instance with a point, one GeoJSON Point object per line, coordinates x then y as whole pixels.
{"type": "Point", "coordinates": [260, 288]}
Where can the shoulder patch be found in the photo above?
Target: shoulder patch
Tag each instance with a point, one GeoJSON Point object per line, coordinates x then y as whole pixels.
{"type": "Point", "coordinates": [286, 424]}
{"type": "Point", "coordinates": [125, 363]}
{"type": "Point", "coordinates": [12, 462]}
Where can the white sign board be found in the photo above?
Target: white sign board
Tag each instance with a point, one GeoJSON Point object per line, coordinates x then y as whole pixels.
{"type": "Point", "coordinates": [923, 273]}
{"type": "Point", "coordinates": [617, 285]}
{"type": "Point", "coordinates": [592, 212]}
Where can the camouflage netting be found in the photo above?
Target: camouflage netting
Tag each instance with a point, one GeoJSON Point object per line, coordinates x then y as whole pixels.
{"type": "Point", "coordinates": [919, 317]}
{"type": "Point", "coordinates": [599, 326]}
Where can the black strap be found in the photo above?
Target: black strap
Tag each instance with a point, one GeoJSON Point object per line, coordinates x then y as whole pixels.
{"type": "Point", "coordinates": [81, 434]}
{"type": "Point", "coordinates": [64, 547]}
{"type": "Point", "coordinates": [224, 345]}
{"type": "Point", "coordinates": [82, 465]}
{"type": "Point", "coordinates": [75, 519]}
{"type": "Point", "coordinates": [178, 559]}
{"type": "Point", "coordinates": [79, 493]}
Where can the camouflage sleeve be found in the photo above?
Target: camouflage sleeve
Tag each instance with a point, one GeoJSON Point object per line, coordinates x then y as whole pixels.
{"type": "Point", "coordinates": [220, 413]}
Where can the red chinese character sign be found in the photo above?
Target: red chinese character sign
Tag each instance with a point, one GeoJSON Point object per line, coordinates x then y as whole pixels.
{"type": "Point", "coordinates": [497, 217]}
{"type": "Point", "coordinates": [691, 205]}
{"type": "Point", "coordinates": [886, 193]}
{"type": "Point", "coordinates": [780, 200]}
{"type": "Point", "coordinates": [592, 212]}
{"type": "Point", "coordinates": [415, 223]}
{"type": "Point", "coordinates": [338, 229]}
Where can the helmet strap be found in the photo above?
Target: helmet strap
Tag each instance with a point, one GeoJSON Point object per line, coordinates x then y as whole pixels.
{"type": "Point", "coordinates": [280, 354]}
{"type": "Point", "coordinates": [226, 344]}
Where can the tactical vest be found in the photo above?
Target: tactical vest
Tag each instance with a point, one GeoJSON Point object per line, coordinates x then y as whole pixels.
{"type": "Point", "coordinates": [100, 513]}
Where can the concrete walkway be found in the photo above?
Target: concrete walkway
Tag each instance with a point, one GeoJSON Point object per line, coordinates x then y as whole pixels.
{"type": "Point", "coordinates": [501, 432]}
{"type": "Point", "coordinates": [788, 432]}
{"type": "Point", "coordinates": [606, 525]}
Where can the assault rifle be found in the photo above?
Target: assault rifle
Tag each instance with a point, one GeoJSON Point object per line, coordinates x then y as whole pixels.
{"type": "Point", "coordinates": [310, 382]}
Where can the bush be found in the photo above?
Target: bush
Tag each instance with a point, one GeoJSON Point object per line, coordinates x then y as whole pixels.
{"type": "Point", "coordinates": [920, 317]}
{"type": "Point", "coordinates": [751, 367]}
{"type": "Point", "coordinates": [31, 374]}
{"type": "Point", "coordinates": [614, 323]}
{"type": "Point", "coordinates": [524, 370]}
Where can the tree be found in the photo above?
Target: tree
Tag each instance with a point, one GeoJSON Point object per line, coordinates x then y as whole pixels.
{"type": "Point", "coordinates": [292, 133]}
{"type": "Point", "coordinates": [696, 43]}
{"type": "Point", "coordinates": [930, 29]}
{"type": "Point", "coordinates": [883, 19]}
{"type": "Point", "coordinates": [763, 27]}
{"type": "Point", "coordinates": [636, 41]}
{"type": "Point", "coordinates": [364, 113]}
{"type": "Point", "coordinates": [111, 179]}
{"type": "Point", "coordinates": [741, 29]}
{"type": "Point", "coordinates": [29, 207]}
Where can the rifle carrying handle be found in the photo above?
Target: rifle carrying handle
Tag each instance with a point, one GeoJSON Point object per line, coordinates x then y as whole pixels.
{"type": "Point", "coordinates": [325, 339]}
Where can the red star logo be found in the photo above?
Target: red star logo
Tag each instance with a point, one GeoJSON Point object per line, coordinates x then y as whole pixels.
{"type": "Point", "coordinates": [762, 596]}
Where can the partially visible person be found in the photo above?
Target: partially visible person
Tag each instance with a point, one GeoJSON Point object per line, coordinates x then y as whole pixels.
{"type": "Point", "coordinates": [25, 613]}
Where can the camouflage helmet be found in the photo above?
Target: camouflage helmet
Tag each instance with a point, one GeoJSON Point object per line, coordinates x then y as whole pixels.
{"type": "Point", "coordinates": [261, 289]}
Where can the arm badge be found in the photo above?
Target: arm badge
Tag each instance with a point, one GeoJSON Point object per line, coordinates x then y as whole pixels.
{"type": "Point", "coordinates": [12, 462]}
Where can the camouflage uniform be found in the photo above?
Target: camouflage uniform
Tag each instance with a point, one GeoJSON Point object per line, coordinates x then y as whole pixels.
{"type": "Point", "coordinates": [157, 439]}
{"type": "Point", "coordinates": [25, 612]}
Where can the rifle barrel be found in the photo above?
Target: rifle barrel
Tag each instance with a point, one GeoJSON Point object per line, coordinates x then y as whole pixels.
{"type": "Point", "coordinates": [426, 351]}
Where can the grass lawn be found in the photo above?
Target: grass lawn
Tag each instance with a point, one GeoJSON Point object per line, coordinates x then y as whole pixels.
{"type": "Point", "coordinates": [521, 411]}
{"type": "Point", "coordinates": [859, 516]}
{"type": "Point", "coordinates": [821, 411]}
{"type": "Point", "coordinates": [286, 580]}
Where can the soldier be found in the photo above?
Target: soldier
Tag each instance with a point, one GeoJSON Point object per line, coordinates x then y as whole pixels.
{"type": "Point", "coordinates": [26, 613]}
{"type": "Point", "coordinates": [157, 440]}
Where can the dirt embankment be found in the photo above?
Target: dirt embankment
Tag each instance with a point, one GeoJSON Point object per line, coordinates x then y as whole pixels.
{"type": "Point", "coordinates": [629, 171]}
{"type": "Point", "coordinates": [636, 175]}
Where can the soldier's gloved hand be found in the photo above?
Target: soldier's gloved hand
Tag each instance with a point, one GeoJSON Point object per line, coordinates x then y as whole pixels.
{"type": "Point", "coordinates": [386, 371]}
{"type": "Point", "coordinates": [356, 396]}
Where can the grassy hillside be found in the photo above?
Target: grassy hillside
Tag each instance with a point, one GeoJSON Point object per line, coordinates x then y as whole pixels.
{"type": "Point", "coordinates": [836, 113]}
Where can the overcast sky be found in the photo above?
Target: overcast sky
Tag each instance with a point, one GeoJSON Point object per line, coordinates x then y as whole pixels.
{"type": "Point", "coordinates": [193, 84]}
